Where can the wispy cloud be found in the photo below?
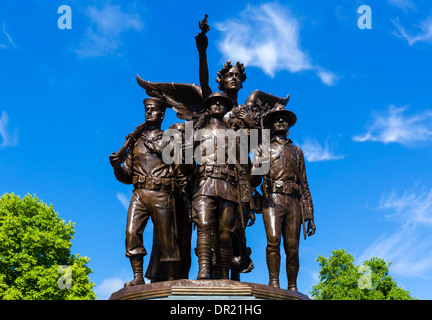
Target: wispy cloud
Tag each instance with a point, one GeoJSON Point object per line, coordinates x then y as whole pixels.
{"type": "Point", "coordinates": [315, 151]}
{"type": "Point", "coordinates": [423, 33]}
{"type": "Point", "coordinates": [397, 127]}
{"type": "Point", "coordinates": [409, 252]}
{"type": "Point", "coordinates": [404, 4]}
{"type": "Point", "coordinates": [10, 41]}
{"type": "Point", "coordinates": [410, 246]}
{"type": "Point", "coordinates": [103, 36]}
{"type": "Point", "coordinates": [8, 139]}
{"type": "Point", "coordinates": [123, 199]}
{"type": "Point", "coordinates": [268, 37]}
{"type": "Point", "coordinates": [412, 209]}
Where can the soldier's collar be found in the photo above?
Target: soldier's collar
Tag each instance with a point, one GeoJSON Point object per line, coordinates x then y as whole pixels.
{"type": "Point", "coordinates": [281, 141]}
{"type": "Point", "coordinates": [158, 134]}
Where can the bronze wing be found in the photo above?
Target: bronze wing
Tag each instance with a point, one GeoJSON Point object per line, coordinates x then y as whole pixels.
{"type": "Point", "coordinates": [184, 98]}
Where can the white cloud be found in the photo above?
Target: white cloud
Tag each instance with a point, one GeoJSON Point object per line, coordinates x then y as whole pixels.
{"type": "Point", "coordinates": [8, 138]}
{"type": "Point", "coordinates": [123, 199]}
{"type": "Point", "coordinates": [8, 37]}
{"type": "Point", "coordinates": [424, 35]}
{"type": "Point", "coordinates": [314, 151]}
{"type": "Point", "coordinates": [268, 37]}
{"type": "Point", "coordinates": [108, 286]}
{"type": "Point", "coordinates": [327, 77]}
{"type": "Point", "coordinates": [409, 248]}
{"type": "Point", "coordinates": [397, 127]}
{"type": "Point", "coordinates": [103, 37]}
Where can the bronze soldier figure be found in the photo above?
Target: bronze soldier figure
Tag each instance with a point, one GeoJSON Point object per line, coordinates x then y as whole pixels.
{"type": "Point", "coordinates": [153, 182]}
{"type": "Point", "coordinates": [214, 194]}
{"type": "Point", "coordinates": [287, 202]}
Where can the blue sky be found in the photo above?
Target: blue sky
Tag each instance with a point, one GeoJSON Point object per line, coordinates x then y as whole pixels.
{"type": "Point", "coordinates": [362, 98]}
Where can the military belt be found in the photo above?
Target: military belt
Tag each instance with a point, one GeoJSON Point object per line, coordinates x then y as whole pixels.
{"type": "Point", "coordinates": [284, 187]}
{"type": "Point", "coordinates": [153, 183]}
{"type": "Point", "coordinates": [225, 173]}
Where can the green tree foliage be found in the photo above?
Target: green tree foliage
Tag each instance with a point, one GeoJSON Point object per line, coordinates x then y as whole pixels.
{"type": "Point", "coordinates": [34, 243]}
{"type": "Point", "coordinates": [340, 279]}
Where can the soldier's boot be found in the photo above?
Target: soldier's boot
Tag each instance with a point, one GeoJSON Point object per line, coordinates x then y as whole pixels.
{"type": "Point", "coordinates": [225, 257]}
{"type": "Point", "coordinates": [273, 264]}
{"type": "Point", "coordinates": [204, 254]}
{"type": "Point", "coordinates": [137, 268]}
{"type": "Point", "coordinates": [292, 272]}
{"type": "Point", "coordinates": [171, 270]}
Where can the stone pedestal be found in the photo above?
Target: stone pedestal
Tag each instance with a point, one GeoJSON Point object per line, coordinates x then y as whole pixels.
{"type": "Point", "coordinates": [205, 290]}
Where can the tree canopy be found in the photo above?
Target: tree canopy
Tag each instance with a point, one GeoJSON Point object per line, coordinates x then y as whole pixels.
{"type": "Point", "coordinates": [35, 254]}
{"type": "Point", "coordinates": [340, 279]}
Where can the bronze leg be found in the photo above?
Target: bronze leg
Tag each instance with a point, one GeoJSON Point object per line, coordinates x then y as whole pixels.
{"type": "Point", "coordinates": [137, 218]}
{"type": "Point", "coordinates": [273, 216]}
{"type": "Point", "coordinates": [291, 236]}
{"type": "Point", "coordinates": [227, 224]}
{"type": "Point", "coordinates": [203, 213]}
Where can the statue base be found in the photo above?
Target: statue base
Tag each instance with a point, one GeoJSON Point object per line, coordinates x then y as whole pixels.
{"type": "Point", "coordinates": [186, 289]}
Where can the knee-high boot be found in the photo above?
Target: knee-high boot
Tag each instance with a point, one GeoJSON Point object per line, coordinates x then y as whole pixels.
{"type": "Point", "coordinates": [204, 254]}
{"type": "Point", "coordinates": [225, 262]}
{"type": "Point", "coordinates": [292, 272]}
{"type": "Point", "coordinates": [273, 265]}
{"type": "Point", "coordinates": [137, 268]}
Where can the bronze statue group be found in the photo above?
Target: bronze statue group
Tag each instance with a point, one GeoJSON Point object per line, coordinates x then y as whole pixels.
{"type": "Point", "coordinates": [216, 194]}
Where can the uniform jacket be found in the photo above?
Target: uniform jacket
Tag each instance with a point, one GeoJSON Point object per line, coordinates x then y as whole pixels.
{"type": "Point", "coordinates": [145, 160]}
{"type": "Point", "coordinates": [206, 182]}
{"type": "Point", "coordinates": [283, 156]}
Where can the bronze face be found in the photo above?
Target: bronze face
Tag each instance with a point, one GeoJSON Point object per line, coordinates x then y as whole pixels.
{"type": "Point", "coordinates": [280, 125]}
{"type": "Point", "coordinates": [232, 79]}
{"type": "Point", "coordinates": [154, 114]}
{"type": "Point", "coordinates": [217, 108]}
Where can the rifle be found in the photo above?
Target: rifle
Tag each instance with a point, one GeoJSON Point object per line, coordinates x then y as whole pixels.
{"type": "Point", "coordinates": [174, 205]}
{"type": "Point", "coordinates": [302, 209]}
{"type": "Point", "coordinates": [240, 203]}
{"type": "Point", "coordinates": [131, 138]}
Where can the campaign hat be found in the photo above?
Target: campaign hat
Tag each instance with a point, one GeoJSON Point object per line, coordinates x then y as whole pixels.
{"type": "Point", "coordinates": [279, 110]}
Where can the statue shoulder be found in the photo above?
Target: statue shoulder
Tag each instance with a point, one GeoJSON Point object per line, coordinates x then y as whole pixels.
{"type": "Point", "coordinates": [297, 152]}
